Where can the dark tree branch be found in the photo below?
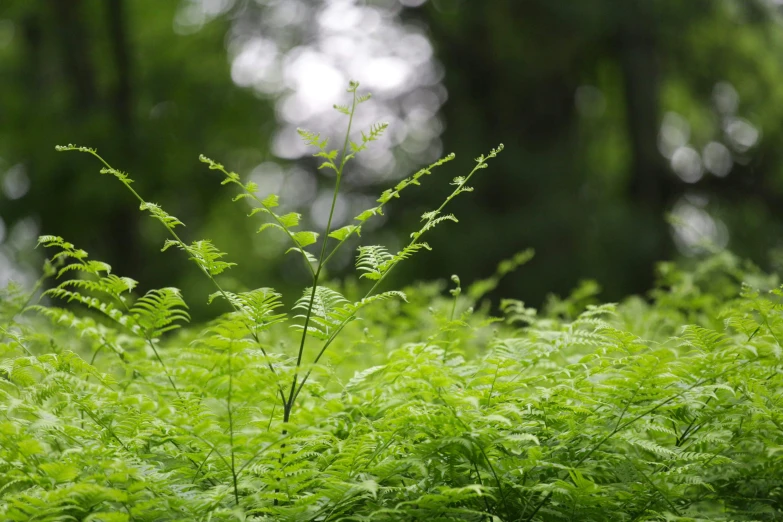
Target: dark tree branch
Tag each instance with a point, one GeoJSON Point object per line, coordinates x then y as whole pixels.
{"type": "Point", "coordinates": [115, 10]}
{"type": "Point", "coordinates": [76, 53]}
{"type": "Point", "coordinates": [639, 63]}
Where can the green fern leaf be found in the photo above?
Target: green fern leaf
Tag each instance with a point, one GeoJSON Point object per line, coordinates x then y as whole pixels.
{"type": "Point", "coordinates": [326, 313]}
{"type": "Point", "coordinates": [257, 307]}
{"type": "Point", "coordinates": [341, 234]}
{"type": "Point", "coordinates": [305, 238]}
{"type": "Point", "coordinates": [160, 311]}
{"type": "Point", "coordinates": [161, 215]}
{"type": "Point", "coordinates": [204, 254]}
{"type": "Point", "coordinates": [271, 201]}
{"type": "Point", "coordinates": [372, 259]}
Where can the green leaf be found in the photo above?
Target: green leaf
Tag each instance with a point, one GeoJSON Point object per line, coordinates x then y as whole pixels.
{"type": "Point", "coordinates": [159, 311]}
{"type": "Point", "coordinates": [331, 155]}
{"type": "Point", "coordinates": [373, 260]}
{"type": "Point", "coordinates": [305, 238]}
{"type": "Point", "coordinates": [344, 109]}
{"type": "Point", "coordinates": [290, 220]}
{"type": "Point", "coordinates": [328, 310]}
{"type": "Point", "coordinates": [271, 201]}
{"type": "Point", "coordinates": [311, 138]}
{"type": "Point", "coordinates": [161, 215]}
{"type": "Point", "coordinates": [203, 253]}
{"type": "Point", "coordinates": [257, 307]}
{"type": "Point", "coordinates": [60, 471]}
{"type": "Point", "coordinates": [367, 214]}
{"type": "Point", "coordinates": [269, 225]}
{"type": "Point", "coordinates": [342, 233]}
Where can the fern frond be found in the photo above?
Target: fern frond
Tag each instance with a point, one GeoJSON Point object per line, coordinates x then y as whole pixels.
{"type": "Point", "coordinates": [375, 132]}
{"type": "Point", "coordinates": [256, 307]}
{"type": "Point", "coordinates": [91, 302]}
{"type": "Point", "coordinates": [433, 220]}
{"type": "Point", "coordinates": [342, 109]}
{"type": "Point", "coordinates": [341, 234]}
{"type": "Point", "coordinates": [326, 312]}
{"type": "Point", "coordinates": [313, 139]}
{"type": "Point", "coordinates": [159, 311]}
{"type": "Point", "coordinates": [203, 253]}
{"type": "Point", "coordinates": [286, 222]}
{"type": "Point", "coordinates": [402, 255]}
{"type": "Point", "coordinates": [390, 194]}
{"type": "Point", "coordinates": [121, 176]}
{"type": "Point", "coordinates": [372, 259]}
{"type": "Point", "coordinates": [161, 215]}
{"type": "Point", "coordinates": [112, 286]}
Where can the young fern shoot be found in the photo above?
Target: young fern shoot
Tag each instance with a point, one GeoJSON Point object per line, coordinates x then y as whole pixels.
{"type": "Point", "coordinates": [377, 263]}
{"type": "Point", "coordinates": [324, 311]}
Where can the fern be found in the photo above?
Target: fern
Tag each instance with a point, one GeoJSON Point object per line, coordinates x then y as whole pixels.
{"type": "Point", "coordinates": [324, 310]}
{"type": "Point", "coordinates": [158, 311]}
{"type": "Point", "coordinates": [364, 404]}
{"type": "Point", "coordinates": [326, 314]}
{"type": "Point", "coordinates": [204, 254]}
{"type": "Point", "coordinates": [372, 259]}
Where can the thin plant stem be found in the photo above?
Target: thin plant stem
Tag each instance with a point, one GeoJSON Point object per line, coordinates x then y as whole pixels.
{"type": "Point", "coordinates": [231, 422]}
{"type": "Point", "coordinates": [343, 159]}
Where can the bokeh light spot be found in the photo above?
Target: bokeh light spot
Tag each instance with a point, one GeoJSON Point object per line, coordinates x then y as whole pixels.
{"type": "Point", "coordinates": [686, 163]}
{"type": "Point", "coordinates": [320, 208]}
{"type": "Point", "coordinates": [717, 159]}
{"type": "Point", "coordinates": [695, 231]}
{"type": "Point", "coordinates": [16, 183]}
{"type": "Point", "coordinates": [726, 98]}
{"type": "Point", "coordinates": [742, 134]}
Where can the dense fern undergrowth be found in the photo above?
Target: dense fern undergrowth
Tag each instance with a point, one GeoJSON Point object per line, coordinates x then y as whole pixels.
{"type": "Point", "coordinates": [363, 403]}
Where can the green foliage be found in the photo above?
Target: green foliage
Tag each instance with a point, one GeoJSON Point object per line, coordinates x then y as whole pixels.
{"type": "Point", "coordinates": [424, 408]}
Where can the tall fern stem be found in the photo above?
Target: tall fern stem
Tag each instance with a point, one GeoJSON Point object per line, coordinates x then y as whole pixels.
{"type": "Point", "coordinates": [231, 421]}
{"type": "Point", "coordinates": [288, 406]}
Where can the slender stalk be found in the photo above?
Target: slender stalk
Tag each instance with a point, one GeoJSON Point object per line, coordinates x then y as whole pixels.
{"type": "Point", "coordinates": [288, 404]}
{"type": "Point", "coordinates": [165, 368]}
{"type": "Point", "coordinates": [343, 159]}
{"type": "Point", "coordinates": [199, 466]}
{"type": "Point", "coordinates": [97, 421]}
{"type": "Point", "coordinates": [481, 483]}
{"type": "Point", "coordinates": [652, 484]}
{"type": "Point", "coordinates": [231, 421]}
{"type": "Point", "coordinates": [16, 340]}
{"type": "Point", "coordinates": [456, 293]}
{"type": "Point", "coordinates": [492, 387]}
{"type": "Point", "coordinates": [262, 450]}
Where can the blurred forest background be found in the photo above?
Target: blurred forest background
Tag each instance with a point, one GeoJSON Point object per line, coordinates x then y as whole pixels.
{"type": "Point", "coordinates": [615, 115]}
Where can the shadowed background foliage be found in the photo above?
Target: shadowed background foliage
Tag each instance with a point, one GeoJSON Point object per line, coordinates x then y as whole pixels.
{"type": "Point", "coordinates": [614, 115]}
